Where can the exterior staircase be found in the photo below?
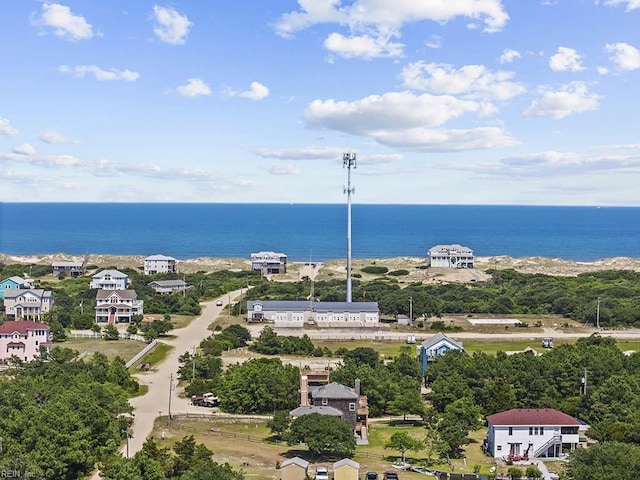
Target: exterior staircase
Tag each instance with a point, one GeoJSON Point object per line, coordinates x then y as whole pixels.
{"type": "Point", "coordinates": [555, 440]}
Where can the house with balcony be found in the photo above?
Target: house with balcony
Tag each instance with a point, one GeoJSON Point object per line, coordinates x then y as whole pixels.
{"type": "Point", "coordinates": [160, 264]}
{"type": "Point", "coordinates": [23, 339]}
{"type": "Point", "coordinates": [169, 286]}
{"type": "Point", "coordinates": [317, 395]}
{"type": "Point", "coordinates": [70, 269]}
{"type": "Point", "coordinates": [117, 306]}
{"type": "Point", "coordinates": [450, 256]}
{"type": "Point", "coordinates": [434, 347]}
{"type": "Point", "coordinates": [14, 283]}
{"type": "Point", "coordinates": [30, 304]}
{"type": "Point", "coordinates": [269, 263]}
{"type": "Point", "coordinates": [523, 433]}
{"type": "Point", "coordinates": [295, 313]}
{"type": "Point", "coordinates": [110, 280]}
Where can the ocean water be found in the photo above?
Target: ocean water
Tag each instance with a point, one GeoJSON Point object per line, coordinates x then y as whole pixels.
{"type": "Point", "coordinates": [316, 232]}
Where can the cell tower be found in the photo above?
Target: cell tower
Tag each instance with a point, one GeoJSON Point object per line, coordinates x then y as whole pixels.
{"type": "Point", "coordinates": [348, 161]}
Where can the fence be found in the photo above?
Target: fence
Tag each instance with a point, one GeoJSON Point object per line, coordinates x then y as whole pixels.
{"type": "Point", "coordinates": [141, 353]}
{"type": "Point", "coordinates": [123, 335]}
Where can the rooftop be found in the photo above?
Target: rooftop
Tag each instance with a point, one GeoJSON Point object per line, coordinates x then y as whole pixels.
{"type": "Point", "coordinates": [159, 257]}
{"type": "Point", "coordinates": [22, 327]}
{"type": "Point", "coordinates": [302, 305]}
{"type": "Point", "coordinates": [532, 416]}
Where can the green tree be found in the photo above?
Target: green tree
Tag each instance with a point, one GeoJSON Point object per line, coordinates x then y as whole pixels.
{"type": "Point", "coordinates": [110, 332]}
{"type": "Point", "coordinates": [606, 461]}
{"type": "Point", "coordinates": [458, 419]}
{"type": "Point", "coordinates": [323, 434]}
{"type": "Point", "coordinates": [402, 442]}
{"type": "Point", "coordinates": [279, 423]}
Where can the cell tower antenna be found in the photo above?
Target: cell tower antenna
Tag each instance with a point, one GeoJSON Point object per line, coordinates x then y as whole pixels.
{"type": "Point", "coordinates": [349, 161]}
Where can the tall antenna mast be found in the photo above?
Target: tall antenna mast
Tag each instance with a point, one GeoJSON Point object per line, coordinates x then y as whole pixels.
{"type": "Point", "coordinates": [348, 161]}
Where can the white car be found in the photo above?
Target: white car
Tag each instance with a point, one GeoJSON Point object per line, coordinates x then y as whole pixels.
{"type": "Point", "coordinates": [322, 474]}
{"type": "Point", "coordinates": [219, 303]}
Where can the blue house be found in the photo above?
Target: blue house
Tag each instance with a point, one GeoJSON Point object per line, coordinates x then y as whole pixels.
{"type": "Point", "coordinates": [436, 346]}
{"type": "Point", "coordinates": [12, 283]}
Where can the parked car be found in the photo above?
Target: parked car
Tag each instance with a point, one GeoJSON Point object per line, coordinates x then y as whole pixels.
{"type": "Point", "coordinates": [390, 475]}
{"type": "Point", "coordinates": [219, 303]}
{"type": "Point", "coordinates": [371, 476]}
{"type": "Point", "coordinates": [322, 473]}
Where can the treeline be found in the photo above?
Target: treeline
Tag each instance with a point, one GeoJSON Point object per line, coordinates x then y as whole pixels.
{"type": "Point", "coordinates": [509, 292]}
{"type": "Point", "coordinates": [60, 415]}
{"type": "Point", "coordinates": [270, 343]}
{"type": "Point", "coordinates": [553, 380]}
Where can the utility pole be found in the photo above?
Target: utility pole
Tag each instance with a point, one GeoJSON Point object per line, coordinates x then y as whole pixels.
{"type": "Point", "coordinates": [348, 161]}
{"type": "Point", "coordinates": [598, 313]}
{"type": "Point", "coordinates": [193, 365]}
{"type": "Point", "coordinates": [584, 383]}
{"type": "Point", "coordinates": [410, 310]}
{"type": "Point", "coordinates": [126, 432]}
{"type": "Point", "coordinates": [169, 411]}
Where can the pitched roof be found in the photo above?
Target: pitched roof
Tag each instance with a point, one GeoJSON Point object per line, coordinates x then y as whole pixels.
{"type": "Point", "coordinates": [295, 461]}
{"type": "Point", "coordinates": [168, 283]}
{"type": "Point", "coordinates": [532, 416]}
{"type": "Point", "coordinates": [322, 307]}
{"type": "Point", "coordinates": [113, 273]}
{"type": "Point", "coordinates": [128, 294]}
{"type": "Point", "coordinates": [438, 337]}
{"type": "Point", "coordinates": [67, 264]}
{"type": "Point", "coordinates": [15, 279]}
{"type": "Point", "coordinates": [37, 292]}
{"type": "Point", "coordinates": [22, 327]}
{"type": "Point", "coordinates": [308, 409]}
{"type": "Point", "coordinates": [159, 257]}
{"type": "Point", "coordinates": [335, 391]}
{"type": "Point", "coordinates": [346, 461]}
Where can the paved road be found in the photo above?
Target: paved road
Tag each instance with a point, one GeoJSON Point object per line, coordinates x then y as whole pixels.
{"type": "Point", "coordinates": [156, 401]}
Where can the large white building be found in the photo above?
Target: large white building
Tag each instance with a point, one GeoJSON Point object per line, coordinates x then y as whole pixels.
{"type": "Point", "coordinates": [269, 262]}
{"type": "Point", "coordinates": [451, 256]}
{"type": "Point", "coordinates": [110, 280]}
{"type": "Point", "coordinates": [117, 306]}
{"type": "Point", "coordinates": [298, 312]}
{"type": "Point", "coordinates": [160, 264]}
{"type": "Point", "coordinates": [531, 433]}
{"type": "Point", "coordinates": [31, 304]}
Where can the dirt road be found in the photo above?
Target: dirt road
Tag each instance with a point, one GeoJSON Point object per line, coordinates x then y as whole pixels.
{"type": "Point", "coordinates": [156, 401]}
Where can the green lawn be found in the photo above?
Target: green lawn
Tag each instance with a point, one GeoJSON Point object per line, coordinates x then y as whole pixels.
{"type": "Point", "coordinates": [126, 349]}
{"type": "Point", "coordinates": [154, 357]}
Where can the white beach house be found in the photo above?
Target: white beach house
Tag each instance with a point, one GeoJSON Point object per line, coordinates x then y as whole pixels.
{"type": "Point", "coordinates": [110, 280]}
{"type": "Point", "coordinates": [298, 312]}
{"type": "Point", "coordinates": [269, 263]}
{"type": "Point", "coordinates": [450, 256]}
{"type": "Point", "coordinates": [117, 306]}
{"type": "Point", "coordinates": [160, 264]}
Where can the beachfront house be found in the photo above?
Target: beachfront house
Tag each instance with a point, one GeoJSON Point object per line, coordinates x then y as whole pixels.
{"type": "Point", "coordinates": [295, 313]}
{"type": "Point", "coordinates": [160, 264]}
{"type": "Point", "coordinates": [522, 433]}
{"type": "Point", "coordinates": [269, 263]}
{"type": "Point", "coordinates": [117, 306]}
{"type": "Point", "coordinates": [450, 256]}
{"type": "Point", "coordinates": [31, 304]}
{"type": "Point", "coordinates": [434, 347]}
{"type": "Point", "coordinates": [169, 286]}
{"type": "Point", "coordinates": [13, 283]}
{"type": "Point", "coordinates": [69, 269]}
{"type": "Point", "coordinates": [23, 339]}
{"type": "Point", "coordinates": [110, 280]}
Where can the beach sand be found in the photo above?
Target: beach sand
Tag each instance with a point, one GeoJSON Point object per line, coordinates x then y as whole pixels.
{"type": "Point", "coordinates": [334, 269]}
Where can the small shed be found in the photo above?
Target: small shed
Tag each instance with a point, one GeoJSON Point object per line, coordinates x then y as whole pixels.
{"type": "Point", "coordinates": [294, 469]}
{"type": "Point", "coordinates": [346, 469]}
{"type": "Point", "coordinates": [402, 319]}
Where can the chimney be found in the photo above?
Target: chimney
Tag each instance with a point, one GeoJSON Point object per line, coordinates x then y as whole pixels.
{"type": "Point", "coordinates": [357, 386]}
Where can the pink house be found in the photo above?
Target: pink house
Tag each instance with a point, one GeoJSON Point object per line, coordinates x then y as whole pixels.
{"type": "Point", "coordinates": [23, 339]}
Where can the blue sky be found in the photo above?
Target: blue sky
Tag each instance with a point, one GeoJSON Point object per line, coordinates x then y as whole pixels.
{"type": "Point", "coordinates": [444, 102]}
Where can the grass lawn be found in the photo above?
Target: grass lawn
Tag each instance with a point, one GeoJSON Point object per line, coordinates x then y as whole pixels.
{"type": "Point", "coordinates": [245, 445]}
{"type": "Point", "coordinates": [181, 321]}
{"type": "Point", "coordinates": [125, 349]}
{"type": "Point", "coordinates": [154, 357]}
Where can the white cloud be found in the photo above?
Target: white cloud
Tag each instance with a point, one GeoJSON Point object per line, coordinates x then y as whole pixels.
{"type": "Point", "coordinates": [257, 91]}
{"type": "Point", "coordinates": [364, 46]}
{"type": "Point", "coordinates": [171, 27]}
{"type": "Point", "coordinates": [6, 128]}
{"type": "Point", "coordinates": [63, 22]}
{"type": "Point", "coordinates": [603, 70]}
{"type": "Point", "coordinates": [566, 60]}
{"type": "Point", "coordinates": [403, 120]}
{"type": "Point", "coordinates": [303, 153]}
{"type": "Point", "coordinates": [195, 87]}
{"type": "Point", "coordinates": [631, 4]}
{"type": "Point", "coordinates": [52, 137]}
{"type": "Point", "coordinates": [470, 81]}
{"type": "Point", "coordinates": [509, 55]}
{"type": "Point", "coordinates": [570, 99]}
{"type": "Point", "coordinates": [435, 42]}
{"type": "Point", "coordinates": [100, 74]}
{"type": "Point", "coordinates": [383, 14]}
{"type": "Point", "coordinates": [283, 169]}
{"type": "Point", "coordinates": [624, 56]}
{"type": "Point", "coordinates": [24, 149]}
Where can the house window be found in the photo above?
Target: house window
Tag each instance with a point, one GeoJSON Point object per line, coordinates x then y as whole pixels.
{"type": "Point", "coordinates": [541, 430]}
{"type": "Point", "coordinates": [325, 402]}
{"type": "Point", "coordinates": [510, 430]}
{"type": "Point", "coordinates": [531, 430]}
{"type": "Point", "coordinates": [499, 448]}
{"type": "Point", "coordinates": [352, 407]}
